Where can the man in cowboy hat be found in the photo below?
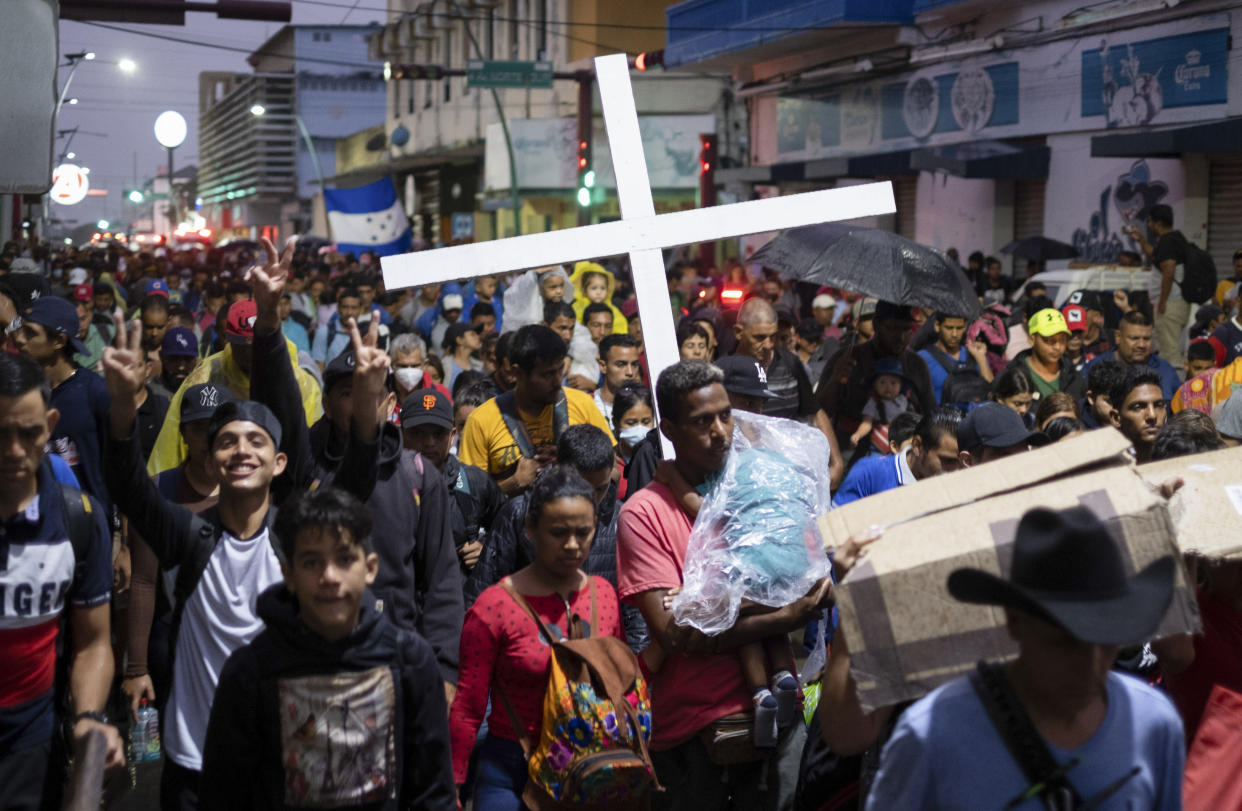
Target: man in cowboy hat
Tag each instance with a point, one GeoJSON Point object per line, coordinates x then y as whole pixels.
{"type": "Point", "coordinates": [1056, 727]}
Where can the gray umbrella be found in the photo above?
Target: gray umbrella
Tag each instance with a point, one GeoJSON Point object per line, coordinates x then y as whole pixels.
{"type": "Point", "coordinates": [872, 262]}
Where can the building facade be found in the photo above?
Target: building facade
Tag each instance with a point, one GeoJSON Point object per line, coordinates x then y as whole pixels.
{"type": "Point", "coordinates": [994, 121]}
{"type": "Point", "coordinates": [268, 138]}
{"type": "Point", "coordinates": [446, 149]}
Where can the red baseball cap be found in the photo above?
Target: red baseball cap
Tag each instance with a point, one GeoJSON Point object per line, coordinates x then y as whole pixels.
{"type": "Point", "coordinates": [1075, 317]}
{"type": "Point", "coordinates": [84, 292]}
{"type": "Point", "coordinates": [239, 325]}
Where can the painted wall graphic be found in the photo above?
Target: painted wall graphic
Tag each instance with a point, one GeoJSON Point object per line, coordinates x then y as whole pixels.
{"type": "Point", "coordinates": [1123, 203]}
{"type": "Point", "coordinates": [1168, 73]}
{"type": "Point", "coordinates": [546, 149]}
{"type": "Point", "coordinates": [1132, 83]}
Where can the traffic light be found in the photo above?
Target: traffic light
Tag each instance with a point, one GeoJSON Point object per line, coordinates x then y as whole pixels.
{"type": "Point", "coordinates": [586, 175]}
{"type": "Point", "coordinates": [707, 154]}
{"type": "Point", "coordinates": [648, 60]}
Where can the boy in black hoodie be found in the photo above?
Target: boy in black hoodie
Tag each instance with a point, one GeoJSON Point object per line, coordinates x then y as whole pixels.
{"type": "Point", "coordinates": [332, 705]}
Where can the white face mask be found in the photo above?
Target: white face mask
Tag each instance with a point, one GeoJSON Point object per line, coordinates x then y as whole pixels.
{"type": "Point", "coordinates": [634, 434]}
{"type": "Point", "coordinates": [409, 377]}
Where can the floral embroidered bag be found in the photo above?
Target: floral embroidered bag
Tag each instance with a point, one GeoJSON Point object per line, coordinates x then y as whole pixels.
{"type": "Point", "coordinates": [592, 750]}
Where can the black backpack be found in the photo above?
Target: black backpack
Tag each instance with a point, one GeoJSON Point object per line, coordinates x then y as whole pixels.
{"type": "Point", "coordinates": [1199, 282]}
{"type": "Point", "coordinates": [964, 387]}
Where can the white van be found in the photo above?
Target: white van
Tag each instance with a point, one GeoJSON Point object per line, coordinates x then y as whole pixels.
{"type": "Point", "coordinates": [1106, 278]}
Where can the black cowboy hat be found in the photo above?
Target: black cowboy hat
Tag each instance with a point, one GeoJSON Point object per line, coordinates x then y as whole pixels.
{"type": "Point", "coordinates": [1068, 570]}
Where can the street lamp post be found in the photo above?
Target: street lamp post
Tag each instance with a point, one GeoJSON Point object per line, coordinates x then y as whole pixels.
{"type": "Point", "coordinates": [258, 110]}
{"type": "Point", "coordinates": [170, 131]}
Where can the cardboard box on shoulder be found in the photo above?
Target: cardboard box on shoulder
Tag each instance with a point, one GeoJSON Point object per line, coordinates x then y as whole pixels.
{"type": "Point", "coordinates": [1207, 509]}
{"type": "Point", "coordinates": [906, 634]}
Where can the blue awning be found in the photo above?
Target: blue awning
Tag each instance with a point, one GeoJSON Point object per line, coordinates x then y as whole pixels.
{"type": "Point", "coordinates": [1217, 136]}
{"type": "Point", "coordinates": [985, 159]}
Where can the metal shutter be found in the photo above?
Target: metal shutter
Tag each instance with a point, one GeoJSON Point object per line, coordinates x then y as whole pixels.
{"type": "Point", "coordinates": [905, 193]}
{"type": "Point", "coordinates": [1028, 208]}
{"type": "Point", "coordinates": [1224, 212]}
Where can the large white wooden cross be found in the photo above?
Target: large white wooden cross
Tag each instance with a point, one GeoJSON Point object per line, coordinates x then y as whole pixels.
{"type": "Point", "coordinates": [640, 232]}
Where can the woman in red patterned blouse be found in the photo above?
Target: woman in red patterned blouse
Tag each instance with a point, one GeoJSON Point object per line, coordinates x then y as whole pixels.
{"type": "Point", "coordinates": [502, 648]}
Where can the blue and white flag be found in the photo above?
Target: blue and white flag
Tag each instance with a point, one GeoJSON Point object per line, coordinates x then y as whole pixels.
{"type": "Point", "coordinates": [368, 218]}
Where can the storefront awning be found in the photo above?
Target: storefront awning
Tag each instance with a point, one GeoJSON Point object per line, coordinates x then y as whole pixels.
{"type": "Point", "coordinates": [1217, 136]}
{"type": "Point", "coordinates": [994, 160]}
{"type": "Point", "coordinates": [861, 166]}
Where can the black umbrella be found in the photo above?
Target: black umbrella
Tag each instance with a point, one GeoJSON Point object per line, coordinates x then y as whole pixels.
{"type": "Point", "coordinates": [874, 263]}
{"type": "Point", "coordinates": [1040, 249]}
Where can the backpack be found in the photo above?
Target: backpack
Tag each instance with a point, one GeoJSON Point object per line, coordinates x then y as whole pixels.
{"type": "Point", "coordinates": [964, 387]}
{"type": "Point", "coordinates": [592, 751]}
{"type": "Point", "coordinates": [1199, 281]}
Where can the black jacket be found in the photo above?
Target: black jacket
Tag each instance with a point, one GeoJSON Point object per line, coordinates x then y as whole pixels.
{"type": "Point", "coordinates": [295, 713]}
{"type": "Point", "coordinates": [844, 401]}
{"type": "Point", "coordinates": [1072, 381]}
{"type": "Point", "coordinates": [477, 500]}
{"type": "Point", "coordinates": [419, 579]}
{"type": "Point", "coordinates": [507, 549]}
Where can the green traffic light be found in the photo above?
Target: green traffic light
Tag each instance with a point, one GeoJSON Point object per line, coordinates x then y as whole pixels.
{"type": "Point", "coordinates": [588, 179]}
{"type": "Point", "coordinates": [584, 197]}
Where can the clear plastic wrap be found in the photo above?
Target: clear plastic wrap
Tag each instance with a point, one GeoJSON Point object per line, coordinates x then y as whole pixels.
{"type": "Point", "coordinates": [755, 537]}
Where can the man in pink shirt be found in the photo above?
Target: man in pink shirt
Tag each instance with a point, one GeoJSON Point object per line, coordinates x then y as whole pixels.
{"type": "Point", "coordinates": [701, 681]}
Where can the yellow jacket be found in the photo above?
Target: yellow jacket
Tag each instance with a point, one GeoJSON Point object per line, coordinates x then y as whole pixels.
{"type": "Point", "coordinates": [620, 325]}
{"type": "Point", "coordinates": [222, 369]}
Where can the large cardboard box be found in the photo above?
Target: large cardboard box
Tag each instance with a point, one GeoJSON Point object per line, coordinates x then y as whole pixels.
{"type": "Point", "coordinates": [906, 634]}
{"type": "Point", "coordinates": [1207, 510]}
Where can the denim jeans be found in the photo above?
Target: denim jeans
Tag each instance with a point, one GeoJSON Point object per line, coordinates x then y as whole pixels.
{"type": "Point", "coordinates": [500, 775]}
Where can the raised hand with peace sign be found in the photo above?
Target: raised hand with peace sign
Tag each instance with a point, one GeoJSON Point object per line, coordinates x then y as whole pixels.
{"type": "Point", "coordinates": [267, 282]}
{"type": "Point", "coordinates": [125, 372]}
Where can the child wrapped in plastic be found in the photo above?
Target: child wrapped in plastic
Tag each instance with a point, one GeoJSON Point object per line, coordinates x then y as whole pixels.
{"type": "Point", "coordinates": [755, 547]}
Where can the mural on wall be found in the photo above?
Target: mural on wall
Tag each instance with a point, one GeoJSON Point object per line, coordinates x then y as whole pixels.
{"type": "Point", "coordinates": [965, 100]}
{"type": "Point", "coordinates": [1132, 84]}
{"type": "Point", "coordinates": [1133, 195]}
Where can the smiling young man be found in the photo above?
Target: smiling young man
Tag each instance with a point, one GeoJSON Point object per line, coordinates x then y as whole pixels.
{"type": "Point", "coordinates": [1139, 409]}
{"type": "Point", "coordinates": [53, 564]}
{"type": "Point", "coordinates": [275, 738]}
{"type": "Point", "coordinates": [226, 556]}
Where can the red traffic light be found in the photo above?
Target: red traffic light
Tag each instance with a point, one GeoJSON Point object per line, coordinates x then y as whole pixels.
{"type": "Point", "coordinates": [648, 60]}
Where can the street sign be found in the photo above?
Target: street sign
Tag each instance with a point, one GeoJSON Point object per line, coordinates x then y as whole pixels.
{"type": "Point", "coordinates": [487, 73]}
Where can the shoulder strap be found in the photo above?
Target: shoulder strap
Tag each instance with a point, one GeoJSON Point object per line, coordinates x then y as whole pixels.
{"type": "Point", "coordinates": [560, 417]}
{"type": "Point", "coordinates": [1048, 779]}
{"type": "Point", "coordinates": [507, 404]}
{"type": "Point", "coordinates": [77, 518]}
{"type": "Point", "coordinates": [594, 608]}
{"type": "Point", "coordinates": [942, 358]}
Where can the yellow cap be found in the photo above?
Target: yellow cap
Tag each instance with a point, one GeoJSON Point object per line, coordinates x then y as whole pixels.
{"type": "Point", "coordinates": [1047, 323]}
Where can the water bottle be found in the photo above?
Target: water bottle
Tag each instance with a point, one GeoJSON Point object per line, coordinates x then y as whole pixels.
{"type": "Point", "coordinates": [146, 734]}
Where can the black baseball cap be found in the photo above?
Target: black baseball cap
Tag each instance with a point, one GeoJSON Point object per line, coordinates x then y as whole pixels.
{"type": "Point", "coordinates": [994, 425]}
{"type": "Point", "coordinates": [455, 331]}
{"type": "Point", "coordinates": [743, 375]}
{"type": "Point", "coordinates": [243, 411]}
{"type": "Point", "coordinates": [57, 315]}
{"type": "Point", "coordinates": [339, 368]}
{"type": "Point", "coordinates": [427, 407]}
{"type": "Point", "coordinates": [1087, 299]}
{"type": "Point", "coordinates": [200, 401]}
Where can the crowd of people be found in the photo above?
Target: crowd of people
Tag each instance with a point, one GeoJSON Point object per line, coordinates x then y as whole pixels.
{"type": "Point", "coordinates": [346, 538]}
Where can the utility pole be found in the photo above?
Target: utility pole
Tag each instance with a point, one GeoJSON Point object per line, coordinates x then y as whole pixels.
{"type": "Point", "coordinates": [586, 169]}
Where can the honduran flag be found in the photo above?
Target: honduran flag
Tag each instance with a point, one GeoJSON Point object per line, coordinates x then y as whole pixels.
{"type": "Point", "coordinates": [368, 218]}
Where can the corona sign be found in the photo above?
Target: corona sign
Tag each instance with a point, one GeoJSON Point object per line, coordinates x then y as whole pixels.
{"type": "Point", "coordinates": [69, 184]}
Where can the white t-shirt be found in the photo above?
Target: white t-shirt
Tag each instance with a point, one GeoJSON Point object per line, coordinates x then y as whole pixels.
{"type": "Point", "coordinates": [219, 618]}
{"type": "Point", "coordinates": [605, 409]}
